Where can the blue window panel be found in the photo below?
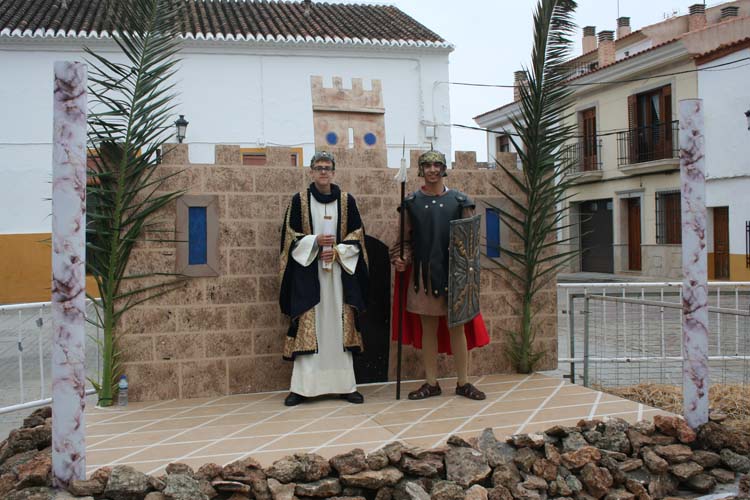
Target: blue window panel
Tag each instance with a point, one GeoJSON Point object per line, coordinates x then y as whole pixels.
{"type": "Point", "coordinates": [370, 139]}
{"type": "Point", "coordinates": [332, 138]}
{"type": "Point", "coordinates": [197, 236]}
{"type": "Point", "coordinates": [492, 219]}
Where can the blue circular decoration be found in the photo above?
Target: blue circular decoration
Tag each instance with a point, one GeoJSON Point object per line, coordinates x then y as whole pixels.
{"type": "Point", "coordinates": [370, 139]}
{"type": "Point", "coordinates": [332, 138]}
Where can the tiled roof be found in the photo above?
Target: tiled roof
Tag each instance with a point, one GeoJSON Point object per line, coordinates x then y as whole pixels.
{"type": "Point", "coordinates": [250, 20]}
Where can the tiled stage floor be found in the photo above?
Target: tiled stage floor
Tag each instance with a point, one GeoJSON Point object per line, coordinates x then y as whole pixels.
{"type": "Point", "coordinates": [148, 436]}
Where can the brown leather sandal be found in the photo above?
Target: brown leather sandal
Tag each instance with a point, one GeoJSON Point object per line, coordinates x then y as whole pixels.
{"type": "Point", "coordinates": [426, 391]}
{"type": "Point", "coordinates": [469, 391]}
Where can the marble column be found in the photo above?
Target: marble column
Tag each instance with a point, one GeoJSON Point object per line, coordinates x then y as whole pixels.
{"type": "Point", "coordinates": [694, 263]}
{"type": "Point", "coordinates": [68, 272]}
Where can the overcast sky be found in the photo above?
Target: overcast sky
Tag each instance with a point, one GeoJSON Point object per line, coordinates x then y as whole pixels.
{"type": "Point", "coordinates": [492, 39]}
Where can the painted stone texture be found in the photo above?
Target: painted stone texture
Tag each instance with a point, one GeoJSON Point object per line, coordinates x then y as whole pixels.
{"type": "Point", "coordinates": [694, 263]}
{"type": "Point", "coordinates": [68, 272]}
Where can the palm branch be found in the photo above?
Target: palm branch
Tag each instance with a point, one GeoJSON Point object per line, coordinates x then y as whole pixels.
{"type": "Point", "coordinates": [536, 214]}
{"type": "Point", "coordinates": [130, 119]}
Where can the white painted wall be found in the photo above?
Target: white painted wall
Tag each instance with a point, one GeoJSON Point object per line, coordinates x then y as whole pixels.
{"type": "Point", "coordinates": [726, 97]}
{"type": "Point", "coordinates": [230, 93]}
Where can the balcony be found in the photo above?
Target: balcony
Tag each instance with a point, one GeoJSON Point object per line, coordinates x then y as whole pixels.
{"type": "Point", "coordinates": [574, 70]}
{"type": "Point", "coordinates": [584, 158]}
{"type": "Point", "coordinates": [649, 149]}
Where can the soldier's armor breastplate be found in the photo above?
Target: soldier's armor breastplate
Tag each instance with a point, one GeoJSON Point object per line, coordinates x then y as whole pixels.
{"type": "Point", "coordinates": [430, 233]}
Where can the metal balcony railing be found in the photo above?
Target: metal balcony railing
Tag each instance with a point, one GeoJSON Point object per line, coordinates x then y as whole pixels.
{"type": "Point", "coordinates": [584, 155]}
{"type": "Point", "coordinates": [644, 144]}
{"type": "Point", "coordinates": [575, 70]}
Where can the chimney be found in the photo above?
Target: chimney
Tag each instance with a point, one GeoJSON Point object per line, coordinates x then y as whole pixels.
{"type": "Point", "coordinates": [606, 51]}
{"type": "Point", "coordinates": [697, 17]}
{"type": "Point", "coordinates": [589, 39]}
{"type": "Point", "coordinates": [727, 12]}
{"type": "Point", "coordinates": [519, 80]}
{"type": "Point", "coordinates": [623, 27]}
{"type": "Point", "coordinates": [307, 5]}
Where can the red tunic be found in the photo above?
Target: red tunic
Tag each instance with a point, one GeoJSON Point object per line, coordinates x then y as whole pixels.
{"type": "Point", "coordinates": [475, 330]}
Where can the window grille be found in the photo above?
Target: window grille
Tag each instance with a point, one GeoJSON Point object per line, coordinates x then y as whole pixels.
{"type": "Point", "coordinates": [668, 218]}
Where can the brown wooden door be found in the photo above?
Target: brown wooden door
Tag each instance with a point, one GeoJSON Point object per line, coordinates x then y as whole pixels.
{"type": "Point", "coordinates": [596, 236]}
{"type": "Point", "coordinates": [721, 242]}
{"type": "Point", "coordinates": [634, 234]}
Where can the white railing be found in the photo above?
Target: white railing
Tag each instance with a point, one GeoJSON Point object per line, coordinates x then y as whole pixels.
{"type": "Point", "coordinates": [25, 354]}
{"type": "Point", "coordinates": [634, 331]}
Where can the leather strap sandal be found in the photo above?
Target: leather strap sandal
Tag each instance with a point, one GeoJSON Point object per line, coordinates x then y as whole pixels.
{"type": "Point", "coordinates": [469, 391]}
{"type": "Point", "coordinates": [426, 391]}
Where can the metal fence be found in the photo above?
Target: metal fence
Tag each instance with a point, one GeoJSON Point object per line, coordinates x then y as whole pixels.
{"type": "Point", "coordinates": [26, 355]}
{"type": "Point", "coordinates": [620, 334]}
{"type": "Point", "coordinates": [650, 143]}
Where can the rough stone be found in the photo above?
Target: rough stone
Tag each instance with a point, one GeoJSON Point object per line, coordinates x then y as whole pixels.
{"type": "Point", "coordinates": [416, 491]}
{"type": "Point", "coordinates": [156, 483]}
{"type": "Point", "coordinates": [183, 487]}
{"type": "Point", "coordinates": [384, 493]}
{"type": "Point", "coordinates": [675, 426]}
{"type": "Point", "coordinates": [126, 483]}
{"type": "Point", "coordinates": [454, 440]}
{"type": "Point", "coordinates": [428, 465]}
{"type": "Point", "coordinates": [743, 488]}
{"type": "Point", "coordinates": [35, 472]}
{"type": "Point", "coordinates": [373, 479]}
{"type": "Point", "coordinates": [580, 457]}
{"type": "Point", "coordinates": [723, 475]}
{"type": "Point", "coordinates": [531, 440]}
{"type": "Point", "coordinates": [631, 464]}
{"type": "Point", "coordinates": [7, 481]}
{"type": "Point", "coordinates": [33, 493]}
{"type": "Point", "coordinates": [560, 431]}
{"type": "Point", "coordinates": [350, 491]}
{"type": "Point", "coordinates": [552, 453]}
{"type": "Point", "coordinates": [102, 474]}
{"type": "Point", "coordinates": [155, 495]}
{"type": "Point", "coordinates": [533, 482]}
{"type": "Point", "coordinates": [394, 450]}
{"type": "Point", "coordinates": [14, 461]}
{"type": "Point", "coordinates": [592, 436]}
{"type": "Point", "coordinates": [521, 493]}
{"type": "Point", "coordinates": [638, 440]}
{"type": "Point", "coordinates": [675, 453]}
{"type": "Point", "coordinates": [477, 492]}
{"type": "Point", "coordinates": [702, 483]}
{"type": "Point", "coordinates": [597, 480]}
{"type": "Point", "coordinates": [654, 462]}
{"type": "Point", "coordinates": [619, 494]}
{"type": "Point", "coordinates": [574, 484]}
{"type": "Point", "coordinates": [686, 470]}
{"type": "Point", "coordinates": [662, 485]}
{"type": "Point", "coordinates": [645, 427]}
{"type": "Point", "coordinates": [377, 460]}
{"type": "Point", "coordinates": [714, 436]}
{"type": "Point", "coordinates": [506, 475]}
{"type": "Point", "coordinates": [499, 493]}
{"type": "Point", "coordinates": [179, 468]}
{"type": "Point", "coordinates": [614, 441]}
{"type": "Point", "coordinates": [734, 461]}
{"type": "Point", "coordinates": [662, 440]}
{"type": "Point", "coordinates": [85, 487]}
{"type": "Point", "coordinates": [574, 441]}
{"type": "Point", "coordinates": [20, 440]}
{"type": "Point", "coordinates": [349, 463]}
{"type": "Point", "coordinates": [637, 488]}
{"type": "Point", "coordinates": [302, 467]}
{"type": "Point", "coordinates": [618, 476]}
{"type": "Point", "coordinates": [466, 466]}
{"type": "Point", "coordinates": [240, 467]}
{"type": "Point", "coordinates": [525, 458]}
{"type": "Point", "coordinates": [545, 469]}
{"type": "Point", "coordinates": [447, 490]}
{"type": "Point", "coordinates": [209, 471]}
{"type": "Point", "coordinates": [231, 487]}
{"type": "Point", "coordinates": [327, 487]}
{"type": "Point", "coordinates": [496, 452]}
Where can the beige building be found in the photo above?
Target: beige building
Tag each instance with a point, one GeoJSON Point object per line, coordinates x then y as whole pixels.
{"type": "Point", "coordinates": [626, 154]}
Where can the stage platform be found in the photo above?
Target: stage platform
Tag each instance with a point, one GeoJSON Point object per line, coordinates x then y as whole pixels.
{"type": "Point", "coordinates": [150, 435]}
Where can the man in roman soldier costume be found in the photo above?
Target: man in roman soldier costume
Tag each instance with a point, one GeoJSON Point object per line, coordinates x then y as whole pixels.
{"type": "Point", "coordinates": [441, 260]}
{"type": "Point", "coordinates": [323, 271]}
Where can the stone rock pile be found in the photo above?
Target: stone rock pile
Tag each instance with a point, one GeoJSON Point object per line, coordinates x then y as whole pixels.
{"type": "Point", "coordinates": [597, 459]}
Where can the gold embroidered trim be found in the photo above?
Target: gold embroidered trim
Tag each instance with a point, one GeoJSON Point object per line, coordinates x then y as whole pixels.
{"type": "Point", "coordinates": [305, 202]}
{"type": "Point", "coordinates": [306, 339]}
{"type": "Point", "coordinates": [343, 222]}
{"type": "Point", "coordinates": [352, 337]}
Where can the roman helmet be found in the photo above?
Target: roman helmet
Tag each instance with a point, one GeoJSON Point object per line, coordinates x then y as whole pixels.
{"type": "Point", "coordinates": [432, 156]}
{"type": "Point", "coordinates": [325, 156]}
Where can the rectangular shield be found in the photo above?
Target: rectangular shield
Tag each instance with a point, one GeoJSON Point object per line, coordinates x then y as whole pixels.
{"type": "Point", "coordinates": [463, 270]}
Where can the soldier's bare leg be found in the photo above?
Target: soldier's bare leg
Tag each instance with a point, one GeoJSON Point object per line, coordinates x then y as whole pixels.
{"type": "Point", "coordinates": [430, 347]}
{"type": "Point", "coordinates": [460, 353]}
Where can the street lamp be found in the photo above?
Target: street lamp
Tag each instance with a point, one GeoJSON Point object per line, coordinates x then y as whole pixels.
{"type": "Point", "coordinates": [181, 123]}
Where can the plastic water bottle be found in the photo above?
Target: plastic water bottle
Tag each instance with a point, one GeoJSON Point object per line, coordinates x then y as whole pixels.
{"type": "Point", "coordinates": [122, 393]}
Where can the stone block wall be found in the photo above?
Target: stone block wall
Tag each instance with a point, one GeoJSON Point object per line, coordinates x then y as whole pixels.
{"type": "Point", "coordinates": [224, 335]}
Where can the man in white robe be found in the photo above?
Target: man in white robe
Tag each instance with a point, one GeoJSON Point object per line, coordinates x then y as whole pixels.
{"type": "Point", "coordinates": [323, 270]}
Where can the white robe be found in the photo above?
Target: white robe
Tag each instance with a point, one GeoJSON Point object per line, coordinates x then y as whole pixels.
{"type": "Point", "coordinates": [331, 369]}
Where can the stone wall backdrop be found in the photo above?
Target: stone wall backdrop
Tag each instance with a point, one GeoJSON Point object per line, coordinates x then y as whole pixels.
{"type": "Point", "coordinates": [224, 334]}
